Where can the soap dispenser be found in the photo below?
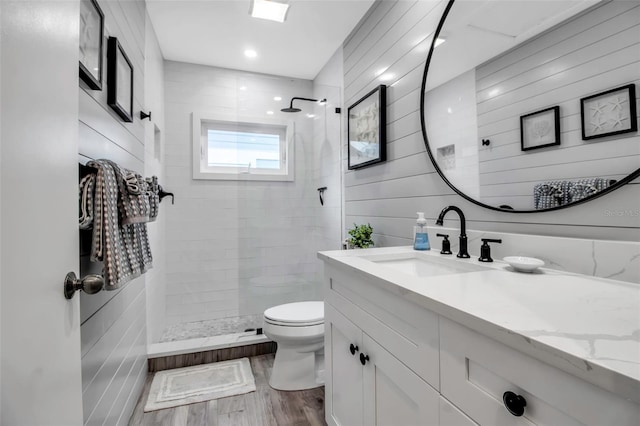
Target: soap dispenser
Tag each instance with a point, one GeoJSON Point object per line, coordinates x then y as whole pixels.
{"type": "Point", "coordinates": [421, 239]}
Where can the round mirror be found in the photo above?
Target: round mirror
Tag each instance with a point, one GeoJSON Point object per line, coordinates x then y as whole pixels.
{"type": "Point", "coordinates": [528, 107]}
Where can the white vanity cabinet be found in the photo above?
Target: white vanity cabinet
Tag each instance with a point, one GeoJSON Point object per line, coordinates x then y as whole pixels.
{"type": "Point", "coordinates": [477, 371]}
{"type": "Point", "coordinates": [368, 379]}
{"type": "Point", "coordinates": [391, 361]}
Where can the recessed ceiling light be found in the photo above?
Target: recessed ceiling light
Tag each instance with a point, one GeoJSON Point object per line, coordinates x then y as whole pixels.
{"type": "Point", "coordinates": [269, 112]}
{"type": "Point", "coordinates": [277, 98]}
{"type": "Point", "coordinates": [249, 53]}
{"type": "Point", "coordinates": [243, 87]}
{"type": "Point", "coordinates": [269, 9]}
{"type": "Point", "coordinates": [311, 115]}
{"type": "Point", "coordinates": [386, 77]}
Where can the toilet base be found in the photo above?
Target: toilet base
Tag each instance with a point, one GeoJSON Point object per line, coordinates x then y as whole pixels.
{"type": "Point", "coordinates": [293, 370]}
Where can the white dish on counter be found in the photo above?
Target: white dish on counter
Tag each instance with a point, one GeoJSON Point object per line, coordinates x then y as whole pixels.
{"type": "Point", "coordinates": [524, 264]}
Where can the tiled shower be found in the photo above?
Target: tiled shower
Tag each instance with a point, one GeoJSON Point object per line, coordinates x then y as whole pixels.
{"type": "Point", "coordinates": [236, 248]}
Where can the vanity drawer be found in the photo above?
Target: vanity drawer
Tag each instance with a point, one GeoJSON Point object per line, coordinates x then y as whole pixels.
{"type": "Point", "coordinates": [476, 371]}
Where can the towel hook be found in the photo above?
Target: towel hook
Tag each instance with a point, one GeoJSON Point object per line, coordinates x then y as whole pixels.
{"type": "Point", "coordinates": [162, 193]}
{"type": "Point", "coordinates": [321, 193]}
{"type": "Point", "coordinates": [144, 115]}
{"type": "Point", "coordinates": [90, 284]}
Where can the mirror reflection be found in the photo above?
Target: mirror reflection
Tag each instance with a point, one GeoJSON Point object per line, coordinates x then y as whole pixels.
{"type": "Point", "coordinates": [529, 107]}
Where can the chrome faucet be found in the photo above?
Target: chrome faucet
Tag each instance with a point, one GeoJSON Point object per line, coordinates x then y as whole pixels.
{"type": "Point", "coordinates": [462, 252]}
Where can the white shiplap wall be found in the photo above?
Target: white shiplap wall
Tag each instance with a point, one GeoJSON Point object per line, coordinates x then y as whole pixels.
{"type": "Point", "coordinates": [597, 51]}
{"type": "Point", "coordinates": [388, 195]}
{"type": "Point", "coordinates": [236, 247]}
{"type": "Point", "coordinates": [113, 330]}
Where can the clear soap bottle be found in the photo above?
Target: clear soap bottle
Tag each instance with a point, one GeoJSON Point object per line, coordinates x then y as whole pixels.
{"type": "Point", "coordinates": [421, 237]}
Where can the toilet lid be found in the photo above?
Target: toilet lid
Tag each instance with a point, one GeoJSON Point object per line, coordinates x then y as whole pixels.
{"type": "Point", "coordinates": [299, 313]}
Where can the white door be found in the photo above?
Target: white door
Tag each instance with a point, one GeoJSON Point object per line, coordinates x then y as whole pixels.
{"type": "Point", "coordinates": [40, 334]}
{"type": "Point", "coordinates": [393, 394]}
{"type": "Point", "coordinates": [343, 388]}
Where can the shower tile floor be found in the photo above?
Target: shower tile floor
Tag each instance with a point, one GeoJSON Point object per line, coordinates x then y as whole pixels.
{"type": "Point", "coordinates": [209, 328]}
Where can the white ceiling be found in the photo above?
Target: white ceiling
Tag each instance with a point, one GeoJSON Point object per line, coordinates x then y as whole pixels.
{"type": "Point", "coordinates": [217, 32]}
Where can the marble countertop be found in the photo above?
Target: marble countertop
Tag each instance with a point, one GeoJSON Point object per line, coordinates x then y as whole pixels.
{"type": "Point", "coordinates": [588, 327]}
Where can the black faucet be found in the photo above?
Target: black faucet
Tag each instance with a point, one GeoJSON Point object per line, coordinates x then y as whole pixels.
{"type": "Point", "coordinates": [462, 252]}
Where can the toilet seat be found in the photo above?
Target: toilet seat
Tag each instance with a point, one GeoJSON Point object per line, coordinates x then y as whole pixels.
{"type": "Point", "coordinates": [298, 314]}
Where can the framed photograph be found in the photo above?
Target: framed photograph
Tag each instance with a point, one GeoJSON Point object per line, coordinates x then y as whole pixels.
{"type": "Point", "coordinates": [119, 80]}
{"type": "Point", "coordinates": [609, 113]}
{"type": "Point", "coordinates": [366, 129]}
{"type": "Point", "coordinates": [91, 41]}
{"type": "Point", "coordinates": [540, 129]}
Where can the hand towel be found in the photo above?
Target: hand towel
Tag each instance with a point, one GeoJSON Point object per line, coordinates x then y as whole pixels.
{"type": "Point", "coordinates": [123, 247]}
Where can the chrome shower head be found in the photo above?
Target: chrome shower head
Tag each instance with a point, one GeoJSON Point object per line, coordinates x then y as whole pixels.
{"type": "Point", "coordinates": [292, 109]}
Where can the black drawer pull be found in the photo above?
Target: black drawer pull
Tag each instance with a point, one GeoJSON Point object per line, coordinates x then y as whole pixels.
{"type": "Point", "coordinates": [353, 349]}
{"type": "Point", "coordinates": [514, 403]}
{"type": "Point", "coordinates": [364, 358]}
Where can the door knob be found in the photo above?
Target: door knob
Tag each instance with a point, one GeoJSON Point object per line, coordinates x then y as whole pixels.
{"type": "Point", "coordinates": [514, 403]}
{"type": "Point", "coordinates": [353, 349]}
{"type": "Point", "coordinates": [363, 358]}
{"type": "Point", "coordinates": [90, 284]}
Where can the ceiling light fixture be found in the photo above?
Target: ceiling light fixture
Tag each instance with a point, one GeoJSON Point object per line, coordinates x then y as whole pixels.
{"type": "Point", "coordinates": [277, 98]}
{"type": "Point", "coordinates": [249, 53]}
{"type": "Point", "coordinates": [269, 9]}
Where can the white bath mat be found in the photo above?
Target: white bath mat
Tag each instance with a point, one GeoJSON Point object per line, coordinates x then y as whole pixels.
{"type": "Point", "coordinates": [189, 385]}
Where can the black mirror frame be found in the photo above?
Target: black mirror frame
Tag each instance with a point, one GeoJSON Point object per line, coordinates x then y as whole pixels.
{"type": "Point", "coordinates": [423, 87]}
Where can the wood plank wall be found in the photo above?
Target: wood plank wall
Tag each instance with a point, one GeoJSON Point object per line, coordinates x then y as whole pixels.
{"type": "Point", "coordinates": [113, 330]}
{"type": "Point", "coordinates": [394, 37]}
{"type": "Point", "coordinates": [598, 51]}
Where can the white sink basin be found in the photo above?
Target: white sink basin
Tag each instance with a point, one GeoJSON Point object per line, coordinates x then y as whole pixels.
{"type": "Point", "coordinates": [421, 265]}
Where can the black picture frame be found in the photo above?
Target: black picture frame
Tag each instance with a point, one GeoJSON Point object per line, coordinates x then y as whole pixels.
{"type": "Point", "coordinates": [119, 80]}
{"type": "Point", "coordinates": [540, 129]}
{"type": "Point", "coordinates": [91, 43]}
{"type": "Point", "coordinates": [366, 129]}
{"type": "Point", "coordinates": [604, 114]}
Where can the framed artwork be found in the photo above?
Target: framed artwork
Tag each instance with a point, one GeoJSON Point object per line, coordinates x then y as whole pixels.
{"type": "Point", "coordinates": [540, 129]}
{"type": "Point", "coordinates": [609, 113]}
{"type": "Point", "coordinates": [119, 80]}
{"type": "Point", "coordinates": [366, 129]}
{"type": "Point", "coordinates": [91, 41]}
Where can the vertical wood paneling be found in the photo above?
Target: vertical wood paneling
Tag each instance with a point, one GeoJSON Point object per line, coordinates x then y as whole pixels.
{"type": "Point", "coordinates": [388, 195]}
{"type": "Point", "coordinates": [113, 331]}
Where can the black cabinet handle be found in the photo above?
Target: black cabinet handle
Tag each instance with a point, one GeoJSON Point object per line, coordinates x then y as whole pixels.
{"type": "Point", "coordinates": [353, 349]}
{"type": "Point", "coordinates": [514, 403]}
{"type": "Point", "coordinates": [364, 358]}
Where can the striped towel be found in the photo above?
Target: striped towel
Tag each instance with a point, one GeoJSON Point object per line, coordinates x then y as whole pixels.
{"type": "Point", "coordinates": [118, 240]}
{"type": "Point", "coordinates": [551, 194]}
{"type": "Point", "coordinates": [87, 188]}
{"type": "Point", "coordinates": [584, 188]}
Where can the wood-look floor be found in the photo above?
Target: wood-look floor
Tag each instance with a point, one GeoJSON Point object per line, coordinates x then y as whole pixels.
{"type": "Point", "coordinates": [265, 406]}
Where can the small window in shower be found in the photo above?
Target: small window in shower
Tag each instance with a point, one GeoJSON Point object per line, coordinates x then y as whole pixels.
{"type": "Point", "coordinates": [241, 150]}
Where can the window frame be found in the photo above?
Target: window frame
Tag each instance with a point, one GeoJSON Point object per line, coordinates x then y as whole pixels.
{"type": "Point", "coordinates": [201, 170]}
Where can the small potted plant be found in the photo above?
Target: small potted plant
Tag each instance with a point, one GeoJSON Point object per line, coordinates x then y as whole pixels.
{"type": "Point", "coordinates": [360, 236]}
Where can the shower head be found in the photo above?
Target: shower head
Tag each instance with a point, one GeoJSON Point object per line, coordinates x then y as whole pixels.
{"type": "Point", "coordinates": [292, 109]}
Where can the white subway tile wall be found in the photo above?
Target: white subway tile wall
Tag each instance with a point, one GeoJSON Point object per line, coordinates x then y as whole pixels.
{"type": "Point", "coordinates": [238, 247]}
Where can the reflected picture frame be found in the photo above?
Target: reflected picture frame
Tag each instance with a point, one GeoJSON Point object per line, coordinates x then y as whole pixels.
{"type": "Point", "coordinates": [91, 42]}
{"type": "Point", "coordinates": [366, 129]}
{"type": "Point", "coordinates": [608, 113]}
{"type": "Point", "coordinates": [119, 80]}
{"type": "Point", "coordinates": [540, 129]}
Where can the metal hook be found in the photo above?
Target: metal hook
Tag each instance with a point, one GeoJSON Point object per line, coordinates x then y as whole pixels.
{"type": "Point", "coordinates": [162, 193]}
{"type": "Point", "coordinates": [320, 193]}
{"type": "Point", "coordinates": [144, 115]}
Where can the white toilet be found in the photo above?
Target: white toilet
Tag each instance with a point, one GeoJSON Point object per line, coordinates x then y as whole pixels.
{"type": "Point", "coordinates": [298, 329]}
